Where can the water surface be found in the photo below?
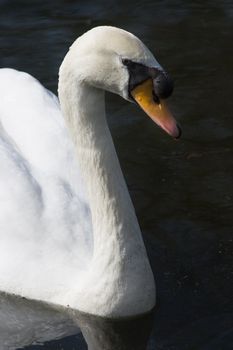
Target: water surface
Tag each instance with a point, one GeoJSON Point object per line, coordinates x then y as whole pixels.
{"type": "Point", "coordinates": [182, 191]}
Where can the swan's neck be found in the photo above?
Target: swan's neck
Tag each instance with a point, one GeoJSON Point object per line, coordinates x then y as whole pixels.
{"type": "Point", "coordinates": [119, 270]}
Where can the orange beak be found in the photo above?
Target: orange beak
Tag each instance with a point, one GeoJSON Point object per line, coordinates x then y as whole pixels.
{"type": "Point", "coordinates": [158, 112]}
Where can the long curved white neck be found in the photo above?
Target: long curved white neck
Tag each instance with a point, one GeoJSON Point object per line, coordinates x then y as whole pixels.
{"type": "Point", "coordinates": [119, 271]}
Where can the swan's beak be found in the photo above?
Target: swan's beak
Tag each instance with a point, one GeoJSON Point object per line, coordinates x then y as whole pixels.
{"type": "Point", "coordinates": [157, 111]}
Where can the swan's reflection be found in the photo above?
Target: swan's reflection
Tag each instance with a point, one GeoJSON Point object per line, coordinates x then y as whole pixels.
{"type": "Point", "coordinates": [25, 322]}
{"type": "Point", "coordinates": [105, 334]}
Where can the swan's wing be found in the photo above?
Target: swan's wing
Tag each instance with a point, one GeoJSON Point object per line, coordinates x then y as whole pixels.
{"type": "Point", "coordinates": [25, 322]}
{"type": "Point", "coordinates": [45, 222]}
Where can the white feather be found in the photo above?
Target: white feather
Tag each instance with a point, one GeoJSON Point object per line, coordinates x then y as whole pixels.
{"type": "Point", "coordinates": [68, 230]}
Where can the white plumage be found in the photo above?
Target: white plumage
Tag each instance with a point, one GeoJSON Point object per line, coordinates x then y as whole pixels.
{"type": "Point", "coordinates": [68, 230]}
{"type": "Point", "coordinates": [45, 225]}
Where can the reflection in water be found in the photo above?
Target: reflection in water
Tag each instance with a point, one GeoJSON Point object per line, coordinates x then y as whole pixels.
{"type": "Point", "coordinates": [103, 334]}
{"type": "Point", "coordinates": [25, 322]}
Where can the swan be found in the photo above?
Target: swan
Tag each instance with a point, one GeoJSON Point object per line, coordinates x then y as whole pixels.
{"type": "Point", "coordinates": [69, 235]}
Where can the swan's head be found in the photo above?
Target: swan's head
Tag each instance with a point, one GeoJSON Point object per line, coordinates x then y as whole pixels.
{"type": "Point", "coordinates": [115, 60]}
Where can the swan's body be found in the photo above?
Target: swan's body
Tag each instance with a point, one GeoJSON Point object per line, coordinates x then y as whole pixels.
{"type": "Point", "coordinates": [68, 230]}
{"type": "Point", "coordinates": [45, 223]}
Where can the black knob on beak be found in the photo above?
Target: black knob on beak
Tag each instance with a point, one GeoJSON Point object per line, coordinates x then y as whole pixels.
{"type": "Point", "coordinates": [163, 85]}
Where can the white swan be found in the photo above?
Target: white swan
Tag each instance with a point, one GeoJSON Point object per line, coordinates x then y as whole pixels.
{"type": "Point", "coordinates": [68, 230]}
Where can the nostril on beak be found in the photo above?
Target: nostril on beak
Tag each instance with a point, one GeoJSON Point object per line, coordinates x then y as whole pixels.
{"type": "Point", "coordinates": [155, 97]}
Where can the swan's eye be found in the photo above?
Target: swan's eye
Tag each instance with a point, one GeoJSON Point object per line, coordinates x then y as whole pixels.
{"type": "Point", "coordinates": [126, 62]}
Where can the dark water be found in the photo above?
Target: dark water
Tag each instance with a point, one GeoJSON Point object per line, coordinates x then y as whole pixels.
{"type": "Point", "coordinates": [182, 191]}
